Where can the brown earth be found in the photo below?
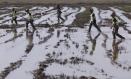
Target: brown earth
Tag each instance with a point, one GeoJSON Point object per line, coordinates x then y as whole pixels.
{"type": "Point", "coordinates": [64, 1]}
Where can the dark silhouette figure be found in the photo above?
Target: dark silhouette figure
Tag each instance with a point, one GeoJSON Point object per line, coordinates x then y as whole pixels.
{"type": "Point", "coordinates": [59, 12]}
{"type": "Point", "coordinates": [29, 37]}
{"type": "Point", "coordinates": [115, 46]}
{"type": "Point", "coordinates": [29, 20]}
{"type": "Point", "coordinates": [93, 41]}
{"type": "Point", "coordinates": [14, 17]}
{"type": "Point", "coordinates": [93, 21]}
{"type": "Point", "coordinates": [115, 26]}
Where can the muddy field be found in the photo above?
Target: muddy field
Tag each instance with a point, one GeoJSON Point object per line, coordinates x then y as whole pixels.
{"type": "Point", "coordinates": [67, 50]}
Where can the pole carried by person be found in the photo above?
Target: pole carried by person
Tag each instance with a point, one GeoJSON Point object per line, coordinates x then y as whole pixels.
{"type": "Point", "coordinates": [59, 12]}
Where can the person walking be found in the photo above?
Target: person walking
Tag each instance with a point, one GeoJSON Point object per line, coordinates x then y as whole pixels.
{"type": "Point", "coordinates": [115, 26]}
{"type": "Point", "coordinates": [59, 12]}
{"type": "Point", "coordinates": [29, 19]}
{"type": "Point", "coordinates": [14, 17]}
{"type": "Point", "coordinates": [93, 21]}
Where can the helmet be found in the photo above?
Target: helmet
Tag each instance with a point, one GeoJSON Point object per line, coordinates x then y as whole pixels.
{"type": "Point", "coordinates": [13, 9]}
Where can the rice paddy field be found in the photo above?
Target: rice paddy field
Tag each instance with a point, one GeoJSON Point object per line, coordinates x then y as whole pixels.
{"type": "Point", "coordinates": [65, 50]}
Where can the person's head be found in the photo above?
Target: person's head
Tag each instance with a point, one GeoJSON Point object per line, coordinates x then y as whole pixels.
{"type": "Point", "coordinates": [113, 14]}
{"type": "Point", "coordinates": [13, 9]}
{"type": "Point", "coordinates": [91, 10]}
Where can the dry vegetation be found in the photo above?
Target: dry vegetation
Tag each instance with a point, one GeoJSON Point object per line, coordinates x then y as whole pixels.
{"type": "Point", "coordinates": [82, 18]}
{"type": "Point", "coordinates": [126, 8]}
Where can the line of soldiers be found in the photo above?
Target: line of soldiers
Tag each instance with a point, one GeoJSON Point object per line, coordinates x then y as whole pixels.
{"type": "Point", "coordinates": [30, 20]}
{"type": "Point", "coordinates": [115, 24]}
{"type": "Point", "coordinates": [30, 17]}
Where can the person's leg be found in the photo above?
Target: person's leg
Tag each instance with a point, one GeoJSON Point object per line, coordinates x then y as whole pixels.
{"type": "Point", "coordinates": [90, 27]}
{"type": "Point", "coordinates": [32, 24]}
{"type": "Point", "coordinates": [120, 36]}
{"type": "Point", "coordinates": [61, 18]}
{"type": "Point", "coordinates": [12, 21]}
{"type": "Point", "coordinates": [27, 22]}
{"type": "Point", "coordinates": [15, 21]}
{"type": "Point", "coordinates": [97, 27]}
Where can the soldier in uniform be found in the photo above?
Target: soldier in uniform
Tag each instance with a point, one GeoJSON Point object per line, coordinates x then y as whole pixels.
{"type": "Point", "coordinates": [93, 21]}
{"type": "Point", "coordinates": [14, 17]}
{"type": "Point", "coordinates": [59, 12]}
{"type": "Point", "coordinates": [29, 20]}
{"type": "Point", "coordinates": [115, 26]}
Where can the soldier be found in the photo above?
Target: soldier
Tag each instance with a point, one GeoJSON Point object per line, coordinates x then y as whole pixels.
{"type": "Point", "coordinates": [93, 21]}
{"type": "Point", "coordinates": [115, 26]}
{"type": "Point", "coordinates": [29, 20]}
{"type": "Point", "coordinates": [59, 12]}
{"type": "Point", "coordinates": [14, 17]}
